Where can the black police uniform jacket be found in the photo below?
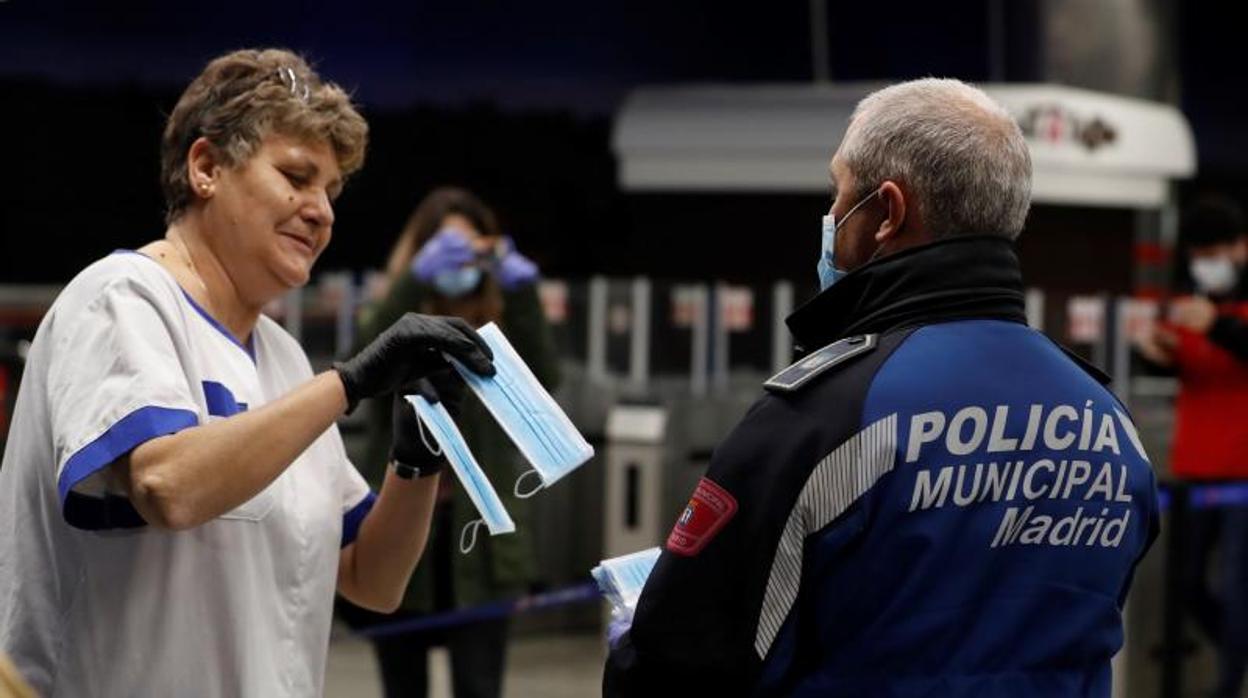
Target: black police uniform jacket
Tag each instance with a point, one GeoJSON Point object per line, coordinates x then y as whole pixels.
{"type": "Point", "coordinates": [940, 501]}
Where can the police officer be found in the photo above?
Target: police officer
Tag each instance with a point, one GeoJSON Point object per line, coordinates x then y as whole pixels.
{"type": "Point", "coordinates": [937, 499]}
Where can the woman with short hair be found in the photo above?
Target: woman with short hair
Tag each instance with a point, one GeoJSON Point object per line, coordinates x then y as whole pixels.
{"type": "Point", "coordinates": [176, 507]}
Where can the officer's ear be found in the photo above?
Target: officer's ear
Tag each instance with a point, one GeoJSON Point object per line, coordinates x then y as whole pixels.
{"type": "Point", "coordinates": [895, 201]}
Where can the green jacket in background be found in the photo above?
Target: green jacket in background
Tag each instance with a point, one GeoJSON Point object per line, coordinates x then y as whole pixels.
{"type": "Point", "coordinates": [498, 567]}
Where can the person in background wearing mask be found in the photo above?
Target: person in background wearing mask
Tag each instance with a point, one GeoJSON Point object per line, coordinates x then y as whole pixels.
{"type": "Point", "coordinates": [1215, 238]}
{"type": "Point", "coordinates": [1204, 339]}
{"type": "Point", "coordinates": [857, 533]}
{"type": "Point", "coordinates": [451, 258]}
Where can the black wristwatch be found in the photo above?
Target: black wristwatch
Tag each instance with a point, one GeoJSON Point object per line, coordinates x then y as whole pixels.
{"type": "Point", "coordinates": [405, 471]}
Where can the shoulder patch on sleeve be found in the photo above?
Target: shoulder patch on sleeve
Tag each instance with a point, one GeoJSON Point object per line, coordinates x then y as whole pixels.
{"type": "Point", "coordinates": [799, 374]}
{"type": "Point", "coordinates": [709, 510]}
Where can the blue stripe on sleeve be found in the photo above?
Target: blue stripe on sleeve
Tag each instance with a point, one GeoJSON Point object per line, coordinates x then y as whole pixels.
{"type": "Point", "coordinates": [141, 425]}
{"type": "Point", "coordinates": [221, 401]}
{"type": "Point", "coordinates": [352, 519]}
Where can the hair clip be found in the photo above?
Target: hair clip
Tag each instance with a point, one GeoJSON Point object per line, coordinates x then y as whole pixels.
{"type": "Point", "coordinates": [298, 89]}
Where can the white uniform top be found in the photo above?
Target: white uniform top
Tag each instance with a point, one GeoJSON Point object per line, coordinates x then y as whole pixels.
{"type": "Point", "coordinates": [95, 603]}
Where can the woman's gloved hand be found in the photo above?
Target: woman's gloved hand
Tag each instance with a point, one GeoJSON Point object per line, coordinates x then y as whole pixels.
{"type": "Point", "coordinates": [514, 269]}
{"type": "Point", "coordinates": [446, 251]}
{"type": "Point", "coordinates": [409, 350]}
{"type": "Point", "coordinates": [412, 447]}
{"type": "Point", "coordinates": [413, 451]}
{"type": "Point", "coordinates": [443, 386]}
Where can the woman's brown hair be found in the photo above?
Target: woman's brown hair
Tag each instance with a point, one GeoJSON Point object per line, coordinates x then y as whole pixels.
{"type": "Point", "coordinates": [243, 96]}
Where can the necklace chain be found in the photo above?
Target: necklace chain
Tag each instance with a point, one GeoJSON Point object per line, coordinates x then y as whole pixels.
{"type": "Point", "coordinates": [184, 252]}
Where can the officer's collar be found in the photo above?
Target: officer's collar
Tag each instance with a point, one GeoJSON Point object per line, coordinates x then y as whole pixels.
{"type": "Point", "coordinates": [950, 279]}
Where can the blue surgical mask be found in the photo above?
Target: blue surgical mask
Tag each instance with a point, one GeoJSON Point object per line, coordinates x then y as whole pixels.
{"type": "Point", "coordinates": [529, 415]}
{"type": "Point", "coordinates": [622, 578]}
{"type": "Point", "coordinates": [480, 491]}
{"type": "Point", "coordinates": [828, 271]}
{"type": "Point", "coordinates": [454, 283]}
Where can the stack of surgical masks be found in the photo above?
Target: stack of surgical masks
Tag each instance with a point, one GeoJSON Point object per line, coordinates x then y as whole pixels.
{"type": "Point", "coordinates": [621, 579]}
{"type": "Point", "coordinates": [455, 449]}
{"type": "Point", "coordinates": [529, 416]}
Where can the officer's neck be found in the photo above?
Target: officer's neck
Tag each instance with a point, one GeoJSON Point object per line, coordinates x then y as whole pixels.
{"type": "Point", "coordinates": [952, 278]}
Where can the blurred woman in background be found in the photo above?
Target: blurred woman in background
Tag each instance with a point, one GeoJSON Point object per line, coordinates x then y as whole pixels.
{"type": "Point", "coordinates": [452, 259]}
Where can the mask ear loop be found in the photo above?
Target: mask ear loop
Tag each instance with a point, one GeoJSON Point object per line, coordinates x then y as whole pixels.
{"type": "Point", "coordinates": [525, 495]}
{"type": "Point", "coordinates": [420, 427]}
{"type": "Point", "coordinates": [469, 528]}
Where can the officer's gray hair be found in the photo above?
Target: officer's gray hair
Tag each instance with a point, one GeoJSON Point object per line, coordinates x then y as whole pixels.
{"type": "Point", "coordinates": [958, 151]}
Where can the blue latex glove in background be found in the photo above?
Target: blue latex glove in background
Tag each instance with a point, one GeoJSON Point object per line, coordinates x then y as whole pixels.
{"type": "Point", "coordinates": [514, 269]}
{"type": "Point", "coordinates": [616, 629]}
{"type": "Point", "coordinates": [447, 251]}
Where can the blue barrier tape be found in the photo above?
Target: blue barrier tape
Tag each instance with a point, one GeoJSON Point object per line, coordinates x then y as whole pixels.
{"type": "Point", "coordinates": [1211, 496]}
{"type": "Point", "coordinates": [580, 593]}
{"type": "Point", "coordinates": [1208, 496]}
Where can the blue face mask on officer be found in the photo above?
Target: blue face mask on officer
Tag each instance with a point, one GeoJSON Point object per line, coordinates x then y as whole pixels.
{"type": "Point", "coordinates": [828, 272]}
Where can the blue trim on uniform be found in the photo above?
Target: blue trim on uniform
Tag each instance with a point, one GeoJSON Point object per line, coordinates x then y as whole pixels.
{"type": "Point", "coordinates": [824, 553]}
{"type": "Point", "coordinates": [352, 519]}
{"type": "Point", "coordinates": [927, 563]}
{"type": "Point", "coordinates": [221, 401]}
{"type": "Point", "coordinates": [249, 347]}
{"type": "Point", "coordinates": [141, 425]}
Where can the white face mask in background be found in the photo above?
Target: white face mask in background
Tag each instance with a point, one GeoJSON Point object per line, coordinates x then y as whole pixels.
{"type": "Point", "coordinates": [1214, 275]}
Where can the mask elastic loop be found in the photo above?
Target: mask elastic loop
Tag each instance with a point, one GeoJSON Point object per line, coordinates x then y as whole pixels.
{"type": "Point", "coordinates": [525, 495]}
{"type": "Point", "coordinates": [420, 426]}
{"type": "Point", "coordinates": [469, 528]}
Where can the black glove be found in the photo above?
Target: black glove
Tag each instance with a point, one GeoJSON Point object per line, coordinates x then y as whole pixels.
{"type": "Point", "coordinates": [409, 350]}
{"type": "Point", "coordinates": [443, 386]}
{"type": "Point", "coordinates": [411, 441]}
